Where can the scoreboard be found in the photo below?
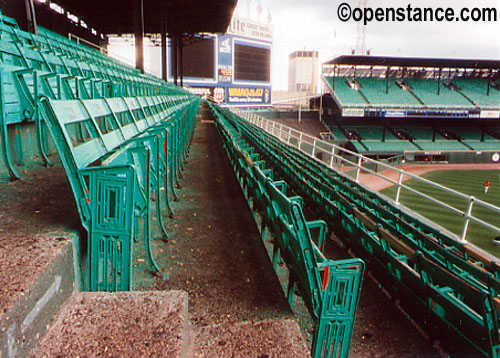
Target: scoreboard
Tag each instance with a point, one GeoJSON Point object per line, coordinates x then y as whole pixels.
{"type": "Point", "coordinates": [234, 68]}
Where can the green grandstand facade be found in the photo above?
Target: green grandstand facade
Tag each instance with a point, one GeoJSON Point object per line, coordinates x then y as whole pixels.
{"type": "Point", "coordinates": [424, 109]}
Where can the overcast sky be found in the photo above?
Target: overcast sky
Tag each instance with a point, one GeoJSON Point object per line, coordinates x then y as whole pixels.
{"type": "Point", "coordinates": [314, 25]}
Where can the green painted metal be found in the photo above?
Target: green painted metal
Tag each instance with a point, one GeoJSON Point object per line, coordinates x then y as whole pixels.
{"type": "Point", "coordinates": [330, 289]}
{"type": "Point", "coordinates": [48, 65]}
{"type": "Point", "coordinates": [450, 288]}
{"type": "Point", "coordinates": [111, 195]}
{"type": "Point", "coordinates": [19, 144]}
{"type": "Point", "coordinates": [113, 152]}
{"type": "Point", "coordinates": [4, 133]}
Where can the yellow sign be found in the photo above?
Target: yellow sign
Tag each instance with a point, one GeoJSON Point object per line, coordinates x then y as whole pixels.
{"type": "Point", "coordinates": [245, 92]}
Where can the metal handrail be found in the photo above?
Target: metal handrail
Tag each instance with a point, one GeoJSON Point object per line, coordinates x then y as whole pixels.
{"type": "Point", "coordinates": [285, 134]}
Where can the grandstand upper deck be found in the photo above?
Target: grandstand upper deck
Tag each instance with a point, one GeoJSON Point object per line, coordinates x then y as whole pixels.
{"type": "Point", "coordinates": [414, 84]}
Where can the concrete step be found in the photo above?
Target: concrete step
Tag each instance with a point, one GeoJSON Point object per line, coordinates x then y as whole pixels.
{"type": "Point", "coordinates": [124, 324]}
{"type": "Point", "coordinates": [279, 338]}
{"type": "Point", "coordinates": [155, 324]}
{"type": "Point", "coordinates": [37, 278]}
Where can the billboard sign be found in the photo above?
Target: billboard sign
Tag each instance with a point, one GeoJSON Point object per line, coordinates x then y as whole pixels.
{"type": "Point", "coordinates": [251, 29]}
{"type": "Point", "coordinates": [239, 65]}
{"type": "Point", "coordinates": [248, 95]}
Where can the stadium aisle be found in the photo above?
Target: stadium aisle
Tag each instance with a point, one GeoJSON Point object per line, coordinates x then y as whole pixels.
{"type": "Point", "coordinates": [215, 253]}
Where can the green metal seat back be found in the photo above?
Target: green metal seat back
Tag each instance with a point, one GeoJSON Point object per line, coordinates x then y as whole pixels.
{"type": "Point", "coordinates": [261, 193]}
{"type": "Point", "coordinates": [300, 249]}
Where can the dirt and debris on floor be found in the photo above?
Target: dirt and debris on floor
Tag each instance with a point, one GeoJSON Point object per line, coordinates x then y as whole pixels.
{"type": "Point", "coordinates": [250, 339]}
{"type": "Point", "coordinates": [124, 324]}
{"type": "Point", "coordinates": [215, 252]}
{"type": "Point", "coordinates": [37, 214]}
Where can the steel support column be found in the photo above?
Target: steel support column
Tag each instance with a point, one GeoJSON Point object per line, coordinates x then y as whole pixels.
{"type": "Point", "coordinates": [181, 60]}
{"type": "Point", "coordinates": [164, 46]}
{"type": "Point", "coordinates": [139, 34]}
{"type": "Point", "coordinates": [439, 81]}
{"type": "Point", "coordinates": [30, 16]}
{"type": "Point", "coordinates": [175, 54]}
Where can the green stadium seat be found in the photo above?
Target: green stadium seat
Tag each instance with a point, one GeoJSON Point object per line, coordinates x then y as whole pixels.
{"type": "Point", "coordinates": [441, 145]}
{"type": "Point", "coordinates": [374, 90]}
{"type": "Point", "coordinates": [426, 91]}
{"type": "Point", "coordinates": [346, 95]}
{"type": "Point", "coordinates": [337, 133]}
{"type": "Point", "coordinates": [486, 145]}
{"type": "Point", "coordinates": [477, 90]}
{"type": "Point", "coordinates": [419, 133]}
{"type": "Point", "coordinates": [471, 133]}
{"type": "Point", "coordinates": [393, 146]}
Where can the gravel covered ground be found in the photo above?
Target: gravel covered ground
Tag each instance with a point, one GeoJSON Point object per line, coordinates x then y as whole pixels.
{"type": "Point", "coordinates": [123, 324]}
{"type": "Point", "coordinates": [215, 252]}
{"type": "Point", "coordinates": [241, 340]}
{"type": "Point", "coordinates": [36, 215]}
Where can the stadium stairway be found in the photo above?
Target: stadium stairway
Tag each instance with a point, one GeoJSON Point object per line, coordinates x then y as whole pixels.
{"type": "Point", "coordinates": [156, 324]}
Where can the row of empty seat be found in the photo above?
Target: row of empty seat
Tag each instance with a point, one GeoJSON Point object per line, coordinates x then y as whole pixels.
{"type": "Point", "coordinates": [51, 66]}
{"type": "Point", "coordinates": [399, 138]}
{"type": "Point", "coordinates": [415, 93]}
{"type": "Point", "coordinates": [330, 289]}
{"type": "Point", "coordinates": [375, 92]}
{"type": "Point", "coordinates": [121, 136]}
{"type": "Point", "coordinates": [450, 287]}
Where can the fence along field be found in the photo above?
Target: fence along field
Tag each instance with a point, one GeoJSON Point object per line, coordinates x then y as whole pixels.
{"type": "Point", "coordinates": [469, 182]}
{"type": "Point", "coordinates": [339, 158]}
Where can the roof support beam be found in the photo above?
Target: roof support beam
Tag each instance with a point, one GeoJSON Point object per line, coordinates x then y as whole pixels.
{"type": "Point", "coordinates": [31, 16]}
{"type": "Point", "coordinates": [139, 33]}
{"type": "Point", "coordinates": [164, 46]}
{"type": "Point", "coordinates": [181, 60]}
{"type": "Point", "coordinates": [175, 56]}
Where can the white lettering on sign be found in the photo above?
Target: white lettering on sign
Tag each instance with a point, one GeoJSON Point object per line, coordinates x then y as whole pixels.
{"type": "Point", "coordinates": [251, 29]}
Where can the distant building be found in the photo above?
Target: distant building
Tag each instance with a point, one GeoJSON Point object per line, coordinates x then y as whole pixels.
{"type": "Point", "coordinates": [303, 72]}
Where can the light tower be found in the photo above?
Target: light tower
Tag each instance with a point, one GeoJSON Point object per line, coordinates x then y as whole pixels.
{"type": "Point", "coordinates": [361, 33]}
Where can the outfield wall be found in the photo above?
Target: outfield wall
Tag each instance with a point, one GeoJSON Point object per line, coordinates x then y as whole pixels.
{"type": "Point", "coordinates": [455, 157]}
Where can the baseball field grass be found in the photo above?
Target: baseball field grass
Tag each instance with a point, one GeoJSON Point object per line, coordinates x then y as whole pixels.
{"type": "Point", "coordinates": [469, 182]}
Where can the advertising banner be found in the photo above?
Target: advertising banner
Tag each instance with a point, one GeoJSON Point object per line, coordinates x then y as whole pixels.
{"type": "Point", "coordinates": [248, 95]}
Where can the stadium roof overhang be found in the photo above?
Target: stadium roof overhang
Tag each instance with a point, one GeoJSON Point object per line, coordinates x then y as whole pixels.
{"type": "Point", "coordinates": [93, 20]}
{"type": "Point", "coordinates": [354, 60]}
{"type": "Point", "coordinates": [184, 16]}
{"type": "Point", "coordinates": [118, 16]}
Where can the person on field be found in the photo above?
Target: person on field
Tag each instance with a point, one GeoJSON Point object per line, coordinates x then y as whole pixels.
{"type": "Point", "coordinates": [486, 186]}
